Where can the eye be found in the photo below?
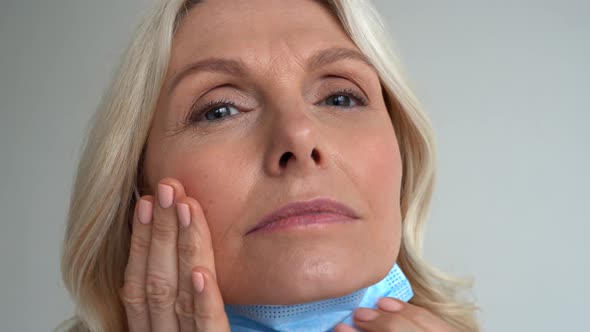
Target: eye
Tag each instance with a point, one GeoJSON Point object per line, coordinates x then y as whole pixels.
{"type": "Point", "coordinates": [345, 98]}
{"type": "Point", "coordinates": [213, 111]}
{"type": "Point", "coordinates": [219, 112]}
{"type": "Point", "coordinates": [340, 100]}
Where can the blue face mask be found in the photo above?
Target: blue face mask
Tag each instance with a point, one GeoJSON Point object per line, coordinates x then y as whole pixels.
{"type": "Point", "coordinates": [321, 315]}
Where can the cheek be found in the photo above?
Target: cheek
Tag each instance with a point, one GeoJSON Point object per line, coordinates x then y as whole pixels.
{"type": "Point", "coordinates": [379, 166]}
{"type": "Point", "coordinates": [216, 178]}
{"type": "Point", "coordinates": [379, 169]}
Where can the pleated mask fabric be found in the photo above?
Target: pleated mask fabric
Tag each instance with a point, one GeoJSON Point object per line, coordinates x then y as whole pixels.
{"type": "Point", "coordinates": [321, 315]}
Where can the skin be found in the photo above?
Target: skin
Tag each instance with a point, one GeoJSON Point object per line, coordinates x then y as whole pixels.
{"type": "Point", "coordinates": [395, 315]}
{"type": "Point", "coordinates": [232, 166]}
{"type": "Point", "coordinates": [226, 174]}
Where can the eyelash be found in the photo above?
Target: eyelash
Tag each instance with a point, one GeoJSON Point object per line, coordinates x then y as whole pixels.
{"type": "Point", "coordinates": [196, 114]}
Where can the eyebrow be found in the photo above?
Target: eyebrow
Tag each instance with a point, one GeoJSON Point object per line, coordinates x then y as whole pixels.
{"type": "Point", "coordinates": [237, 68]}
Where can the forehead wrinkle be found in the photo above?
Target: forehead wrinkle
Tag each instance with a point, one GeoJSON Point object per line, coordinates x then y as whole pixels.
{"type": "Point", "coordinates": [285, 59]}
{"type": "Point", "coordinates": [237, 67]}
{"type": "Point", "coordinates": [286, 39]}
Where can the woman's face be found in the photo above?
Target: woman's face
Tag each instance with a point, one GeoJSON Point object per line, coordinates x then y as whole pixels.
{"type": "Point", "coordinates": [301, 116]}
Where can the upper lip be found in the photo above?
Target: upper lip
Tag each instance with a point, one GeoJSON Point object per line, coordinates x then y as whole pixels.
{"type": "Point", "coordinates": [305, 207]}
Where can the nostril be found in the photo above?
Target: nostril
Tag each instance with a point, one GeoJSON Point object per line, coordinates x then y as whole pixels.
{"type": "Point", "coordinates": [315, 156]}
{"type": "Point", "coordinates": [285, 158]}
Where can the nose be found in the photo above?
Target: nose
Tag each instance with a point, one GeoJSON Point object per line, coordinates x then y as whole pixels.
{"type": "Point", "coordinates": [294, 143]}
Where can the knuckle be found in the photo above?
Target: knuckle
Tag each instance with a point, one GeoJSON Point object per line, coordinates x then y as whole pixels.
{"type": "Point", "coordinates": [132, 295]}
{"type": "Point", "coordinates": [163, 231]}
{"type": "Point", "coordinates": [184, 306]}
{"type": "Point", "coordinates": [160, 292]}
{"type": "Point", "coordinates": [139, 245]}
{"type": "Point", "coordinates": [187, 249]}
{"type": "Point", "coordinates": [205, 315]}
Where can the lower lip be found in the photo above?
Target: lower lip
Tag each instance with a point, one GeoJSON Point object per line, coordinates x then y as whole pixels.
{"type": "Point", "coordinates": [305, 221]}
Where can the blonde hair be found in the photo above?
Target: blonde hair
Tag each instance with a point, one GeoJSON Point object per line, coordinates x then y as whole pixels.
{"type": "Point", "coordinates": [96, 242]}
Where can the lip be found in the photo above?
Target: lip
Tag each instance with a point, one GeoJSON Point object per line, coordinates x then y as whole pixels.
{"type": "Point", "coordinates": [320, 210]}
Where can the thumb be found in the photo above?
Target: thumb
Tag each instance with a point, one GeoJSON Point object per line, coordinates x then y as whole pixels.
{"type": "Point", "coordinates": [209, 311]}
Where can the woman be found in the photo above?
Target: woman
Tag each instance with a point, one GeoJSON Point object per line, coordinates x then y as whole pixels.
{"type": "Point", "coordinates": [257, 165]}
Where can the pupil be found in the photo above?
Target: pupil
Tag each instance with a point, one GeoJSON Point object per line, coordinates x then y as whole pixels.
{"type": "Point", "coordinates": [340, 100]}
{"type": "Point", "coordinates": [217, 113]}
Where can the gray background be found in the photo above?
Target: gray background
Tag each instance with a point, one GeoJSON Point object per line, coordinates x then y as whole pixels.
{"type": "Point", "coordinates": [505, 82]}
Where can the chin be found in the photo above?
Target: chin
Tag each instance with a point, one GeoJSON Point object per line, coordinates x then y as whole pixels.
{"type": "Point", "coordinates": [307, 276]}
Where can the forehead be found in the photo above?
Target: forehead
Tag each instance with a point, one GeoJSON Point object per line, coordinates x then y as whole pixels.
{"type": "Point", "coordinates": [257, 31]}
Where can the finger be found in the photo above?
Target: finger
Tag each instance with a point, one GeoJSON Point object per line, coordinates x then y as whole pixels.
{"type": "Point", "coordinates": [132, 293]}
{"type": "Point", "coordinates": [390, 304]}
{"type": "Point", "coordinates": [418, 315]}
{"type": "Point", "coordinates": [209, 310]}
{"type": "Point", "coordinates": [162, 268]}
{"type": "Point", "coordinates": [344, 328]}
{"type": "Point", "coordinates": [194, 249]}
{"type": "Point", "coordinates": [371, 320]}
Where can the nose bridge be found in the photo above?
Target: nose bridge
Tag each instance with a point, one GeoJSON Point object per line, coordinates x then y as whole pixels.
{"type": "Point", "coordinates": [294, 134]}
{"type": "Point", "coordinates": [294, 129]}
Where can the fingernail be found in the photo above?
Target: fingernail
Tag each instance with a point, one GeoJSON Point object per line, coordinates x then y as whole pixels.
{"type": "Point", "coordinates": [389, 304]}
{"type": "Point", "coordinates": [198, 281]}
{"type": "Point", "coordinates": [165, 195]}
{"type": "Point", "coordinates": [145, 212]}
{"type": "Point", "coordinates": [184, 214]}
{"type": "Point", "coordinates": [365, 314]}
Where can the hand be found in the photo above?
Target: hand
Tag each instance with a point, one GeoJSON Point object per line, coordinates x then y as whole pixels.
{"type": "Point", "coordinates": [395, 315]}
{"type": "Point", "coordinates": [170, 281]}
